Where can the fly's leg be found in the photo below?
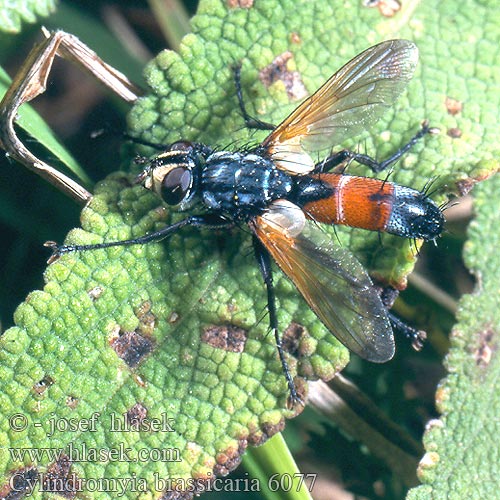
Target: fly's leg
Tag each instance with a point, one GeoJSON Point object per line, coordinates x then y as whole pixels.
{"type": "Point", "coordinates": [375, 166]}
{"type": "Point", "coordinates": [201, 221]}
{"type": "Point", "coordinates": [264, 261]}
{"type": "Point", "coordinates": [250, 122]}
{"type": "Point", "coordinates": [416, 337]}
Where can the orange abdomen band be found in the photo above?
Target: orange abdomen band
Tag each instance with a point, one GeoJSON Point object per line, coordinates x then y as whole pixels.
{"type": "Point", "coordinates": [355, 201]}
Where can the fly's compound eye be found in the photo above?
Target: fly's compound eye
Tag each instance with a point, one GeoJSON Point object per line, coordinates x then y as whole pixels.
{"type": "Point", "coordinates": [176, 185]}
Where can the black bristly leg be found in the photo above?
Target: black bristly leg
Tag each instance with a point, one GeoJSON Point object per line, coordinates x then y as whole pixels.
{"type": "Point", "coordinates": [334, 160]}
{"type": "Point", "coordinates": [416, 337]}
{"type": "Point", "coordinates": [250, 122]}
{"type": "Point", "coordinates": [264, 261]}
{"type": "Point", "coordinates": [375, 166]}
{"type": "Point", "coordinates": [201, 221]}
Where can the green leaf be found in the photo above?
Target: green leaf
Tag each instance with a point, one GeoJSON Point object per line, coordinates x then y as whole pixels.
{"type": "Point", "coordinates": [115, 335]}
{"type": "Point", "coordinates": [461, 459]}
{"type": "Point", "coordinates": [13, 14]}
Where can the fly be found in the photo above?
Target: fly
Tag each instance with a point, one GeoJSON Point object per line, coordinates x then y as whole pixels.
{"type": "Point", "coordinates": [277, 189]}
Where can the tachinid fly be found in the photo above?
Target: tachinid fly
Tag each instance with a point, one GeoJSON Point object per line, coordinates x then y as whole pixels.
{"type": "Point", "coordinates": [277, 189]}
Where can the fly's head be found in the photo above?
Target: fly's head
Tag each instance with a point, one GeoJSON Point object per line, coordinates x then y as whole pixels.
{"type": "Point", "coordinates": [173, 174]}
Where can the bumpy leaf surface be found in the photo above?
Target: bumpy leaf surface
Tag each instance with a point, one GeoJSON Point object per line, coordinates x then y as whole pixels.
{"type": "Point", "coordinates": [165, 331]}
{"type": "Point", "coordinates": [13, 14]}
{"type": "Point", "coordinates": [463, 445]}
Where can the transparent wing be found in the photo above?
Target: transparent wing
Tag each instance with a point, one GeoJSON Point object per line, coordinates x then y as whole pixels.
{"type": "Point", "coordinates": [336, 287]}
{"type": "Point", "coordinates": [351, 100]}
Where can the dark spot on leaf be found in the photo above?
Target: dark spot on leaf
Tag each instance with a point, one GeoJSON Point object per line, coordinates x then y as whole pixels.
{"type": "Point", "coordinates": [388, 8]}
{"type": "Point", "coordinates": [464, 186]}
{"type": "Point", "coordinates": [229, 459]}
{"type": "Point", "coordinates": [20, 484]}
{"type": "Point", "coordinates": [58, 479]}
{"type": "Point", "coordinates": [144, 308]}
{"type": "Point", "coordinates": [72, 401]}
{"type": "Point", "coordinates": [487, 347]}
{"type": "Point", "coordinates": [42, 385]}
{"type": "Point", "coordinates": [278, 70]}
{"type": "Point", "coordinates": [96, 292]}
{"type": "Point", "coordinates": [132, 347]}
{"type": "Point", "coordinates": [173, 317]}
{"type": "Point", "coordinates": [160, 212]}
{"type": "Point", "coordinates": [265, 432]}
{"type": "Point", "coordinates": [454, 132]}
{"type": "Point", "coordinates": [139, 380]}
{"type": "Point", "coordinates": [295, 38]}
{"type": "Point", "coordinates": [453, 106]}
{"type": "Point", "coordinates": [136, 415]}
{"type": "Point", "coordinates": [242, 4]}
{"type": "Point", "coordinates": [227, 337]}
{"type": "Point", "coordinates": [292, 337]}
{"type": "Point", "coordinates": [146, 317]}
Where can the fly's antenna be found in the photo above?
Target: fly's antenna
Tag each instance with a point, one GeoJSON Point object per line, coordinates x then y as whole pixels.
{"type": "Point", "coordinates": [109, 131]}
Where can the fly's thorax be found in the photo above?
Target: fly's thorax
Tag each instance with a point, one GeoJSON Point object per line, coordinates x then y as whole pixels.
{"type": "Point", "coordinates": [173, 174]}
{"type": "Point", "coordinates": [242, 184]}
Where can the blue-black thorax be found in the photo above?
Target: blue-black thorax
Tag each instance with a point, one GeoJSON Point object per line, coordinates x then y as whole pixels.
{"type": "Point", "coordinates": [242, 185]}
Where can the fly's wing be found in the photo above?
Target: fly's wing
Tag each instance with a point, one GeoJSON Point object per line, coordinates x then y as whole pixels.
{"type": "Point", "coordinates": [352, 99]}
{"type": "Point", "coordinates": [336, 287]}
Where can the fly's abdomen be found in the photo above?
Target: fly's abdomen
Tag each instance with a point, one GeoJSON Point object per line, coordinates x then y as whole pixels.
{"type": "Point", "coordinates": [352, 201]}
{"type": "Point", "coordinates": [371, 204]}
